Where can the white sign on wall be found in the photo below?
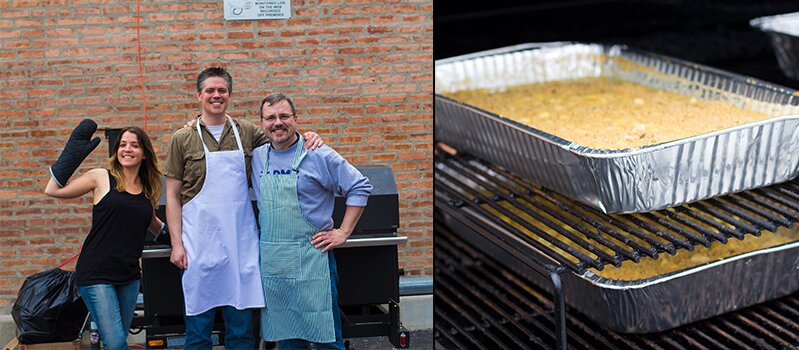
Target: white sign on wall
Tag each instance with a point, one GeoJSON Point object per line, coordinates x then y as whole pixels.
{"type": "Point", "coordinates": [257, 9]}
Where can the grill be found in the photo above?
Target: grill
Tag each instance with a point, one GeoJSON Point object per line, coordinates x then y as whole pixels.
{"type": "Point", "coordinates": [488, 292]}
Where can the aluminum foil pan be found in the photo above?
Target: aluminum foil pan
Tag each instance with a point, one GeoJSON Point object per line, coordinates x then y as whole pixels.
{"type": "Point", "coordinates": [659, 303]}
{"type": "Point", "coordinates": [621, 181]}
{"type": "Point", "coordinates": [783, 30]}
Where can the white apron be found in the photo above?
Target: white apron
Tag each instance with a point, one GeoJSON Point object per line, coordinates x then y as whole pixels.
{"type": "Point", "coordinates": [220, 236]}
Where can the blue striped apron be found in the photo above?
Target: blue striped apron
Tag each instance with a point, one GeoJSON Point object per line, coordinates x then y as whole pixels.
{"type": "Point", "coordinates": [295, 274]}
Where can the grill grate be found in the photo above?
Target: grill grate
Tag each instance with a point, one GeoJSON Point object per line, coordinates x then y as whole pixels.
{"type": "Point", "coordinates": [481, 305]}
{"type": "Point", "coordinates": [464, 182]}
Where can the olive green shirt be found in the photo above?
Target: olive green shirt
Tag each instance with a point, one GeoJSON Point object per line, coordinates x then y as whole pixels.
{"type": "Point", "coordinates": [186, 159]}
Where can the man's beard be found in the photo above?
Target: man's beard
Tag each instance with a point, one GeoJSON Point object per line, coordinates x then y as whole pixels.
{"type": "Point", "coordinates": [285, 138]}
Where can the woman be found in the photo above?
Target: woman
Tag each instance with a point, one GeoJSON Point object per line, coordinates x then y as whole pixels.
{"type": "Point", "coordinates": [125, 196]}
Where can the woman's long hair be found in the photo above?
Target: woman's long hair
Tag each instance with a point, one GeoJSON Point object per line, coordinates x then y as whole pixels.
{"type": "Point", "coordinates": [149, 173]}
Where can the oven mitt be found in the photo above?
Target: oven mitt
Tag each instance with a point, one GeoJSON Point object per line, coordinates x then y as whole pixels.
{"type": "Point", "coordinates": [77, 149]}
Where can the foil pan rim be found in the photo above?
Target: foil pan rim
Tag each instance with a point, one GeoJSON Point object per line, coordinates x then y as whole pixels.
{"type": "Point", "coordinates": [612, 50]}
{"type": "Point", "coordinates": [508, 49]}
{"type": "Point", "coordinates": [644, 283]}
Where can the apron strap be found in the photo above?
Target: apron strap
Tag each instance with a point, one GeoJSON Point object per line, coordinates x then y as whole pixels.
{"type": "Point", "coordinates": [299, 155]}
{"type": "Point", "coordinates": [232, 125]}
{"type": "Point", "coordinates": [199, 132]}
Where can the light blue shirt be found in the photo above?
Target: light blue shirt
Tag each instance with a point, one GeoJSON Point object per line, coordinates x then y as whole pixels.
{"type": "Point", "coordinates": [322, 175]}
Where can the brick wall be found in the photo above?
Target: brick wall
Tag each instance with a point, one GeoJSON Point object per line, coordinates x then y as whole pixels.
{"type": "Point", "coordinates": [361, 72]}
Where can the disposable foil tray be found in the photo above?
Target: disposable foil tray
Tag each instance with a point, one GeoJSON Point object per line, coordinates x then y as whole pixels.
{"type": "Point", "coordinates": [658, 303]}
{"type": "Point", "coordinates": [621, 181]}
{"type": "Point", "coordinates": [783, 30]}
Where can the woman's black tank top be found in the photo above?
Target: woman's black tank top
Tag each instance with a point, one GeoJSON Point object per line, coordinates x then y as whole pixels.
{"type": "Point", "coordinates": [111, 251]}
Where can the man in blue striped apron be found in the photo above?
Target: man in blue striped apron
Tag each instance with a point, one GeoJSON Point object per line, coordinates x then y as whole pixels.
{"type": "Point", "coordinates": [295, 191]}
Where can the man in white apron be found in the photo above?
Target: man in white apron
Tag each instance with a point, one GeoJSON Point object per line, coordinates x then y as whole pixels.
{"type": "Point", "coordinates": [213, 231]}
{"type": "Point", "coordinates": [295, 191]}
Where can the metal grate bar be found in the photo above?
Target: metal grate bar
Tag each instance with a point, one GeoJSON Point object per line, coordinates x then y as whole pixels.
{"type": "Point", "coordinates": [455, 333]}
{"type": "Point", "coordinates": [658, 217]}
{"type": "Point", "coordinates": [790, 327]}
{"type": "Point", "coordinates": [495, 299]}
{"type": "Point", "coordinates": [468, 316]}
{"type": "Point", "coordinates": [453, 285]}
{"type": "Point", "coordinates": [786, 214]}
{"type": "Point", "coordinates": [698, 332]}
{"type": "Point", "coordinates": [638, 249]}
{"type": "Point", "coordinates": [790, 312]}
{"type": "Point", "coordinates": [584, 259]}
{"type": "Point", "coordinates": [581, 216]}
{"type": "Point", "coordinates": [514, 193]}
{"type": "Point", "coordinates": [546, 250]}
{"type": "Point", "coordinates": [685, 221]}
{"type": "Point", "coordinates": [510, 198]}
{"type": "Point", "coordinates": [748, 228]}
{"type": "Point", "coordinates": [792, 186]}
{"type": "Point", "coordinates": [723, 204]}
{"type": "Point", "coordinates": [636, 220]}
{"type": "Point", "coordinates": [742, 332]}
{"type": "Point", "coordinates": [737, 233]}
{"type": "Point", "coordinates": [775, 331]}
{"type": "Point", "coordinates": [672, 342]}
{"type": "Point", "coordinates": [569, 208]}
{"type": "Point", "coordinates": [729, 339]}
{"type": "Point", "coordinates": [509, 289]}
{"type": "Point", "coordinates": [779, 197]}
{"type": "Point", "coordinates": [734, 207]}
{"type": "Point", "coordinates": [788, 191]}
{"type": "Point", "coordinates": [481, 315]}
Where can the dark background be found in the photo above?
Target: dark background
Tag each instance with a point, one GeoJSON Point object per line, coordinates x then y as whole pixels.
{"type": "Point", "coordinates": [714, 33]}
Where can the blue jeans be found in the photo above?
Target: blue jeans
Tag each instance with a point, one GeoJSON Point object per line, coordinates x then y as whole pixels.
{"type": "Point", "coordinates": [238, 329]}
{"type": "Point", "coordinates": [339, 343]}
{"type": "Point", "coordinates": [112, 310]}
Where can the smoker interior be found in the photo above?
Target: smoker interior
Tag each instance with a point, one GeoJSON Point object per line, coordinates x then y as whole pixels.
{"type": "Point", "coordinates": [480, 303]}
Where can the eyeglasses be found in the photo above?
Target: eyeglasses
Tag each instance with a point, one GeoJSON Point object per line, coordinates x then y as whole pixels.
{"type": "Point", "coordinates": [273, 118]}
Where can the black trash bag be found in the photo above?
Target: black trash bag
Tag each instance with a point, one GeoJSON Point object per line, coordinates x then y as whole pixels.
{"type": "Point", "coordinates": [49, 309]}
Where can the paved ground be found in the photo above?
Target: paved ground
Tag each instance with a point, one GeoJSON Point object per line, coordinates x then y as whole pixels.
{"type": "Point", "coordinates": [421, 339]}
